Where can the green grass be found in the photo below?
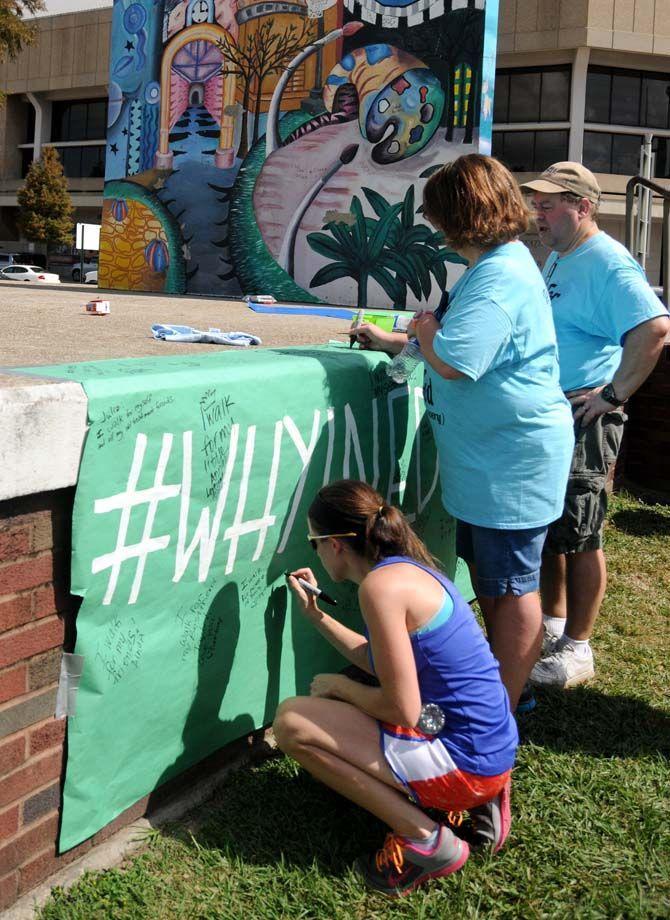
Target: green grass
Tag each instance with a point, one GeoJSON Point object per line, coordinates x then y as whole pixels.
{"type": "Point", "coordinates": [591, 805]}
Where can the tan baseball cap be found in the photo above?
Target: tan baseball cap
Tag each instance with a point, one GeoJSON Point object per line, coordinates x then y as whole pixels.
{"type": "Point", "coordinates": [566, 177]}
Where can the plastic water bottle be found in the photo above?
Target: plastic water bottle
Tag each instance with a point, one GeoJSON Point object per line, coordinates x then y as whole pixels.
{"type": "Point", "coordinates": [402, 366]}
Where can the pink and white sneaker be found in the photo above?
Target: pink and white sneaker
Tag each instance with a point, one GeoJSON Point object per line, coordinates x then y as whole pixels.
{"type": "Point", "coordinates": [491, 822]}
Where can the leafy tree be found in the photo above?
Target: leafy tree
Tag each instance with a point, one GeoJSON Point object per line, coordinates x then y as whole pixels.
{"type": "Point", "coordinates": [264, 52]}
{"type": "Point", "coordinates": [357, 251]}
{"type": "Point", "coordinates": [15, 31]}
{"type": "Point", "coordinates": [45, 206]}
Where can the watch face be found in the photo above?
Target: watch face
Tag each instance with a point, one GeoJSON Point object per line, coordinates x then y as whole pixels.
{"type": "Point", "coordinates": [432, 719]}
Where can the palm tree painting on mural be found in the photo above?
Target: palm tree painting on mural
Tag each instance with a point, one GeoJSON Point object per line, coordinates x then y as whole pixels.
{"type": "Point", "coordinates": [390, 250]}
{"type": "Point", "coordinates": [357, 251]}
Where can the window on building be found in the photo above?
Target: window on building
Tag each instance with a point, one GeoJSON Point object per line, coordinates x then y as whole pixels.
{"type": "Point", "coordinates": [29, 136]}
{"type": "Point", "coordinates": [26, 160]}
{"type": "Point", "coordinates": [79, 120]}
{"type": "Point", "coordinates": [627, 97]}
{"type": "Point", "coordinates": [638, 98]}
{"type": "Point", "coordinates": [661, 147]}
{"type": "Point", "coordinates": [532, 94]}
{"type": "Point", "coordinates": [619, 154]}
{"type": "Point", "coordinates": [530, 151]}
{"type": "Point", "coordinates": [83, 162]}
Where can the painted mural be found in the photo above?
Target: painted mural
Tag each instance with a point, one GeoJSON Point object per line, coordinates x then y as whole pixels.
{"type": "Point", "coordinates": [281, 146]}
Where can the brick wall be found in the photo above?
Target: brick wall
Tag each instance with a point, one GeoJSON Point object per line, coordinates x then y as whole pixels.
{"type": "Point", "coordinates": [647, 456]}
{"type": "Point", "coordinates": [36, 613]}
{"type": "Point", "coordinates": [38, 621]}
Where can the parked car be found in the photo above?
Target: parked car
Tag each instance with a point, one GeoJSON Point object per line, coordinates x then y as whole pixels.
{"type": "Point", "coordinates": [75, 274]}
{"type": "Point", "coordinates": [8, 258]}
{"type": "Point", "coordinates": [28, 273]}
{"type": "Point", "coordinates": [91, 277]}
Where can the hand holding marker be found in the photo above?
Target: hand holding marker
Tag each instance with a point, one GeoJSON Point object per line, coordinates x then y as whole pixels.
{"type": "Point", "coordinates": [312, 589]}
{"type": "Point", "coordinates": [360, 319]}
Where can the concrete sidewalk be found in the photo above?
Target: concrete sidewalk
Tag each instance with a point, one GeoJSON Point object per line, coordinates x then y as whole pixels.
{"type": "Point", "coordinates": [48, 325]}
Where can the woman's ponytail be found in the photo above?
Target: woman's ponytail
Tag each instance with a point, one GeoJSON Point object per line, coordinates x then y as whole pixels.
{"type": "Point", "coordinates": [382, 530]}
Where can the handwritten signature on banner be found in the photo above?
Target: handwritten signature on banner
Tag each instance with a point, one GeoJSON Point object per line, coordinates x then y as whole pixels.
{"type": "Point", "coordinates": [236, 453]}
{"type": "Point", "coordinates": [121, 648]}
{"type": "Point", "coordinates": [118, 421]}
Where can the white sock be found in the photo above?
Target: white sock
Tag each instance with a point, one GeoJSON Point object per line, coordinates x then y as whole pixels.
{"type": "Point", "coordinates": [554, 626]}
{"type": "Point", "coordinates": [425, 843]}
{"type": "Point", "coordinates": [581, 646]}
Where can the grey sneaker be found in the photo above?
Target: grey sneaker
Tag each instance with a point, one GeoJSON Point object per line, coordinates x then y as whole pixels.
{"type": "Point", "coordinates": [491, 822]}
{"type": "Point", "coordinates": [563, 668]}
{"type": "Point", "coordinates": [399, 867]}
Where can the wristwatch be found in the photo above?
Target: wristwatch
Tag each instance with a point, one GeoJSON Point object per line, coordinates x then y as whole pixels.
{"type": "Point", "coordinates": [432, 719]}
{"type": "Point", "coordinates": [607, 393]}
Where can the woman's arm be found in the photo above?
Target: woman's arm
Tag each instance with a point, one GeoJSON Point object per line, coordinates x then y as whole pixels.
{"type": "Point", "coordinates": [373, 338]}
{"type": "Point", "coordinates": [352, 645]}
{"type": "Point", "coordinates": [398, 698]}
{"type": "Point", "coordinates": [426, 327]}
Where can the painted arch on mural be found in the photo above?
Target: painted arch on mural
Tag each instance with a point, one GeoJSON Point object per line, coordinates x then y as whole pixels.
{"type": "Point", "coordinates": [283, 145]}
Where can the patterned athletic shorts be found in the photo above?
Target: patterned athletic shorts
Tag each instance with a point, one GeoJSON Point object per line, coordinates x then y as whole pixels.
{"type": "Point", "coordinates": [580, 528]}
{"type": "Point", "coordinates": [425, 767]}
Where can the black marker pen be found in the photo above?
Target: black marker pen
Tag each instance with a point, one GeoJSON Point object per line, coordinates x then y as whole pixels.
{"type": "Point", "coordinates": [311, 589]}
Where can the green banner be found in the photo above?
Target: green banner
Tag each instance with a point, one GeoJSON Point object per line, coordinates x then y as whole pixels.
{"type": "Point", "coordinates": [191, 504]}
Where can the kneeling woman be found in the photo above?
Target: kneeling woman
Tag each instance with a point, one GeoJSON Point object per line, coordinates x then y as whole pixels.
{"type": "Point", "coordinates": [437, 728]}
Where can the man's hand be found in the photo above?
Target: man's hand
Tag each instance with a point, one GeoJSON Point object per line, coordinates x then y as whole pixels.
{"type": "Point", "coordinates": [588, 405]}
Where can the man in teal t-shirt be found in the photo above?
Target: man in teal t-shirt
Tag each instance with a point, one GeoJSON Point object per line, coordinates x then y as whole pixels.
{"type": "Point", "coordinates": [610, 329]}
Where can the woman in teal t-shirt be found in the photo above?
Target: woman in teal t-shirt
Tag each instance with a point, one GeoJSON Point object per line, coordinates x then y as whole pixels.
{"type": "Point", "coordinates": [502, 425]}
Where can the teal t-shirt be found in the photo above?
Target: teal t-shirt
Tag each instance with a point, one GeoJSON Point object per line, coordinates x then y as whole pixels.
{"type": "Point", "coordinates": [598, 294]}
{"type": "Point", "coordinates": [504, 432]}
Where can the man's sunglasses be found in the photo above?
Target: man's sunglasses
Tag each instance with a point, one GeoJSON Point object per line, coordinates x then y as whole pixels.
{"type": "Point", "coordinates": [313, 537]}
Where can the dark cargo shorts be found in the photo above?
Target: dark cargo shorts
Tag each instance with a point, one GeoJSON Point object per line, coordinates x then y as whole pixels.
{"type": "Point", "coordinates": [580, 529]}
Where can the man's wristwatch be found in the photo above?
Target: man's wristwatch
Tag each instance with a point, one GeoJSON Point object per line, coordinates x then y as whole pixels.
{"type": "Point", "coordinates": [607, 393]}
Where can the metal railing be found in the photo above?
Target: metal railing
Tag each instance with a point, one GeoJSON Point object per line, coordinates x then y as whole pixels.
{"type": "Point", "coordinates": [631, 243]}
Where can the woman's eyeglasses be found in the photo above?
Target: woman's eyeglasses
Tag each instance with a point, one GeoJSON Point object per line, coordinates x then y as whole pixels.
{"type": "Point", "coordinates": [313, 537]}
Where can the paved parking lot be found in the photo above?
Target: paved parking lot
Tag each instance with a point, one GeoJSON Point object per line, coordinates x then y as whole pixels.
{"type": "Point", "coordinates": [47, 324]}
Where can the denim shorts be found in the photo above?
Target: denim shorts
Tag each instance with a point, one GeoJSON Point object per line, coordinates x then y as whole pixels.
{"type": "Point", "coordinates": [507, 561]}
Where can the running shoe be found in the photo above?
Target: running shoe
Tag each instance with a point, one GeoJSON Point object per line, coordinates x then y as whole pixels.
{"type": "Point", "coordinates": [399, 867]}
{"type": "Point", "coordinates": [491, 822]}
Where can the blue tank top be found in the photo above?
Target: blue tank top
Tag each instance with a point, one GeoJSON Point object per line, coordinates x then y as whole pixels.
{"type": "Point", "coordinates": [456, 669]}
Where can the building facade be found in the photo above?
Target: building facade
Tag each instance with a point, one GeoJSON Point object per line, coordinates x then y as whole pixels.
{"type": "Point", "coordinates": [584, 80]}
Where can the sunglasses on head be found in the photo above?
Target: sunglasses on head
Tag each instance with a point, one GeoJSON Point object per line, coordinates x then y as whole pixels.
{"type": "Point", "coordinates": [313, 537]}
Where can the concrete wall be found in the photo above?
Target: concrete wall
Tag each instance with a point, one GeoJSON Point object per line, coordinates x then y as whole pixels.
{"type": "Point", "coordinates": [71, 53]}
{"type": "Point", "coordinates": [624, 25]}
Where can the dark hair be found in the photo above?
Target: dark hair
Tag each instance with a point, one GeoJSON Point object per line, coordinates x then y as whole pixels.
{"type": "Point", "coordinates": [381, 530]}
{"type": "Point", "coordinates": [475, 201]}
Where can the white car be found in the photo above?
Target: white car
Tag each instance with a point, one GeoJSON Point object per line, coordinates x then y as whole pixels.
{"type": "Point", "coordinates": [75, 273]}
{"type": "Point", "coordinates": [91, 277]}
{"type": "Point", "coordinates": [28, 273]}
